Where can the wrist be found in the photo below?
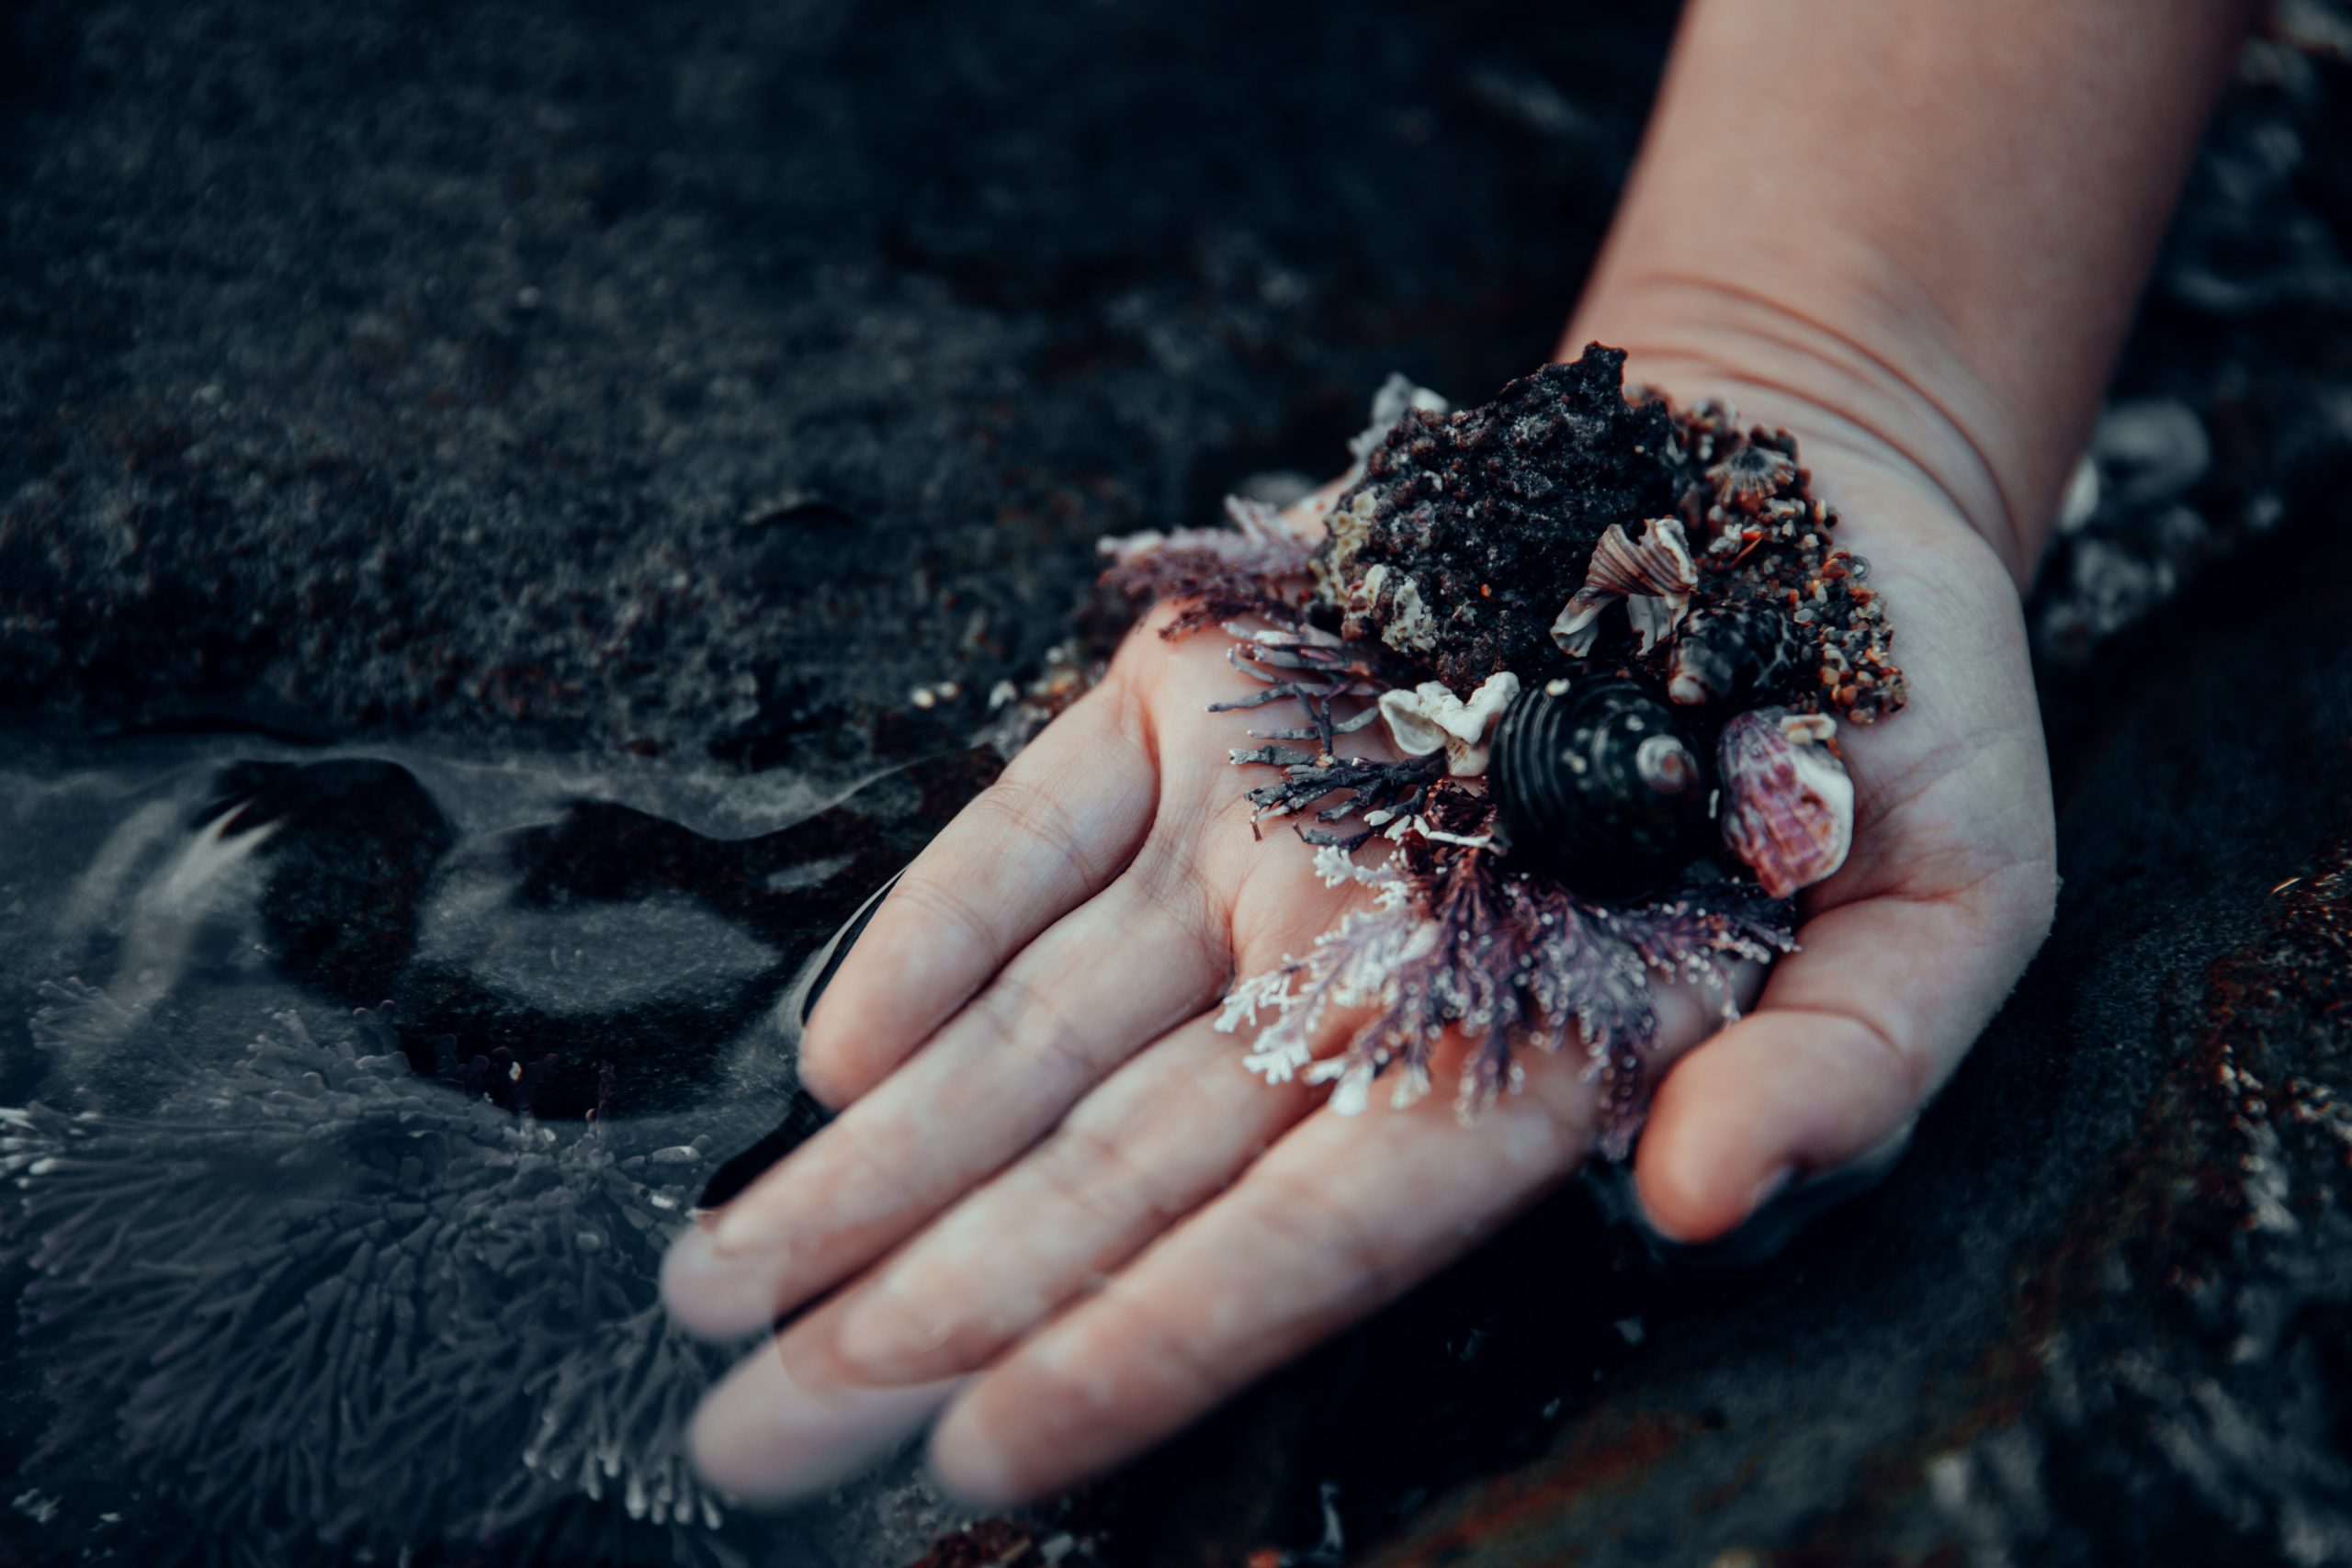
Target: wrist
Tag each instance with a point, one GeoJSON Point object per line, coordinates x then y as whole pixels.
{"type": "Point", "coordinates": [1918, 228]}
{"type": "Point", "coordinates": [1854, 394]}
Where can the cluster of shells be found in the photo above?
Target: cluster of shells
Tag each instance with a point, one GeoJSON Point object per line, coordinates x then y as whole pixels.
{"type": "Point", "coordinates": [1684, 703]}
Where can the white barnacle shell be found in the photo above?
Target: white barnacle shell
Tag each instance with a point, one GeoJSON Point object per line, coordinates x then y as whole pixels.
{"type": "Point", "coordinates": [1750, 475]}
{"type": "Point", "coordinates": [1788, 806]}
{"type": "Point", "coordinates": [1653, 574]}
{"type": "Point", "coordinates": [1431, 718]}
{"type": "Point", "coordinates": [1410, 627]}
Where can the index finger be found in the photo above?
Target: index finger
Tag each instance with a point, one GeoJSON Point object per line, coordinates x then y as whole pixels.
{"type": "Point", "coordinates": [1065, 818]}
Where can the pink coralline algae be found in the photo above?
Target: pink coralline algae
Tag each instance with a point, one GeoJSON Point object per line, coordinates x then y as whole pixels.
{"type": "Point", "coordinates": [1215, 573]}
{"type": "Point", "coordinates": [1610, 644]}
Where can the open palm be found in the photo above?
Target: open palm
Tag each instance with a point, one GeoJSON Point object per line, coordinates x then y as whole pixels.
{"type": "Point", "coordinates": [1057, 1206]}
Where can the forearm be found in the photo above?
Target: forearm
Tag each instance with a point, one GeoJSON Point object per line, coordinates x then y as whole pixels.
{"type": "Point", "coordinates": [1923, 224]}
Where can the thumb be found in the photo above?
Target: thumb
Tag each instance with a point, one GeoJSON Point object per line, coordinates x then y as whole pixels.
{"type": "Point", "coordinates": [1851, 1035]}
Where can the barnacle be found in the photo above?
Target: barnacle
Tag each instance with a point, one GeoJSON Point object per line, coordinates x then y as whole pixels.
{"type": "Point", "coordinates": [1751, 474]}
{"type": "Point", "coordinates": [1781, 614]}
{"type": "Point", "coordinates": [1654, 576]}
{"type": "Point", "coordinates": [1397, 398]}
{"type": "Point", "coordinates": [1390, 601]}
{"type": "Point", "coordinates": [1430, 718]}
{"type": "Point", "coordinates": [289, 1298]}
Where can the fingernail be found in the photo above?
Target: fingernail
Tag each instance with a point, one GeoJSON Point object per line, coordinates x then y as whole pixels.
{"type": "Point", "coordinates": [837, 950]}
{"type": "Point", "coordinates": [744, 1228]}
{"type": "Point", "coordinates": [973, 1471]}
{"type": "Point", "coordinates": [715, 1296]}
{"type": "Point", "coordinates": [767, 1437]}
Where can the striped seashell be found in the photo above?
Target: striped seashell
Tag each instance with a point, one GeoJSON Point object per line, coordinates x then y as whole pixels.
{"type": "Point", "coordinates": [1728, 652]}
{"type": "Point", "coordinates": [1653, 575]}
{"type": "Point", "coordinates": [1788, 806]}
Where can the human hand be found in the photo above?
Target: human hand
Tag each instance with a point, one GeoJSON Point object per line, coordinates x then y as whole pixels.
{"type": "Point", "coordinates": [1058, 1206]}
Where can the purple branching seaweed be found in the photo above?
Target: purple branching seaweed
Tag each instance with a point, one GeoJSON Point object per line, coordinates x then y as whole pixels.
{"type": "Point", "coordinates": [1313, 667]}
{"type": "Point", "coordinates": [320, 1305]}
{"type": "Point", "coordinates": [1255, 570]}
{"type": "Point", "coordinates": [1512, 964]}
{"type": "Point", "coordinates": [1258, 567]}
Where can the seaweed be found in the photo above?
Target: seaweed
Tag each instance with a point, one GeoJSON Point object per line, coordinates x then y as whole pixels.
{"type": "Point", "coordinates": [1257, 568]}
{"type": "Point", "coordinates": [281, 1303]}
{"type": "Point", "coordinates": [1453, 945]}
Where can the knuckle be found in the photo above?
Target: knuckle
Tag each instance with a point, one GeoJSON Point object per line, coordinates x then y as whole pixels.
{"type": "Point", "coordinates": [1029, 815]}
{"type": "Point", "coordinates": [1092, 1171]}
{"type": "Point", "coordinates": [1025, 1023]}
{"type": "Point", "coordinates": [2009, 901]}
{"type": "Point", "coordinates": [830, 1070]}
{"type": "Point", "coordinates": [932, 902]}
{"type": "Point", "coordinates": [1913, 1072]}
{"type": "Point", "coordinates": [1024, 809]}
{"type": "Point", "coordinates": [1079, 1165]}
{"type": "Point", "coordinates": [1180, 914]}
{"type": "Point", "coordinates": [1145, 1336]}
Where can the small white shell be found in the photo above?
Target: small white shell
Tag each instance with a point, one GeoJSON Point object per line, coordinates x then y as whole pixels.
{"type": "Point", "coordinates": [1653, 574]}
{"type": "Point", "coordinates": [1788, 806]}
{"type": "Point", "coordinates": [1431, 718]}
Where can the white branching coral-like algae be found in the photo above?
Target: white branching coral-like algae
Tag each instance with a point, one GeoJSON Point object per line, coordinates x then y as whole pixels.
{"type": "Point", "coordinates": [1512, 964]}
{"type": "Point", "coordinates": [291, 1300]}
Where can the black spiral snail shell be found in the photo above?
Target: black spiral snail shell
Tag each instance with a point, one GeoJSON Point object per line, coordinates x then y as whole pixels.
{"type": "Point", "coordinates": [1597, 780]}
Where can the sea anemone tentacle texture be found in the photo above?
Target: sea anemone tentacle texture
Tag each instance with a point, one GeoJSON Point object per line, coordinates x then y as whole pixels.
{"type": "Point", "coordinates": [281, 1294]}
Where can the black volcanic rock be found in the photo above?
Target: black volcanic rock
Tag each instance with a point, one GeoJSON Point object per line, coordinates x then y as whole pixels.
{"type": "Point", "coordinates": [1470, 530]}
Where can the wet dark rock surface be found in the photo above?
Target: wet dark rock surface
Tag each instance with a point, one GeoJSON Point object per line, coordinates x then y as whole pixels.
{"type": "Point", "coordinates": [478, 488]}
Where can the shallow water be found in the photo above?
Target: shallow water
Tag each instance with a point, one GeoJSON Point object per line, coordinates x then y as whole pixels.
{"type": "Point", "coordinates": [358, 1091]}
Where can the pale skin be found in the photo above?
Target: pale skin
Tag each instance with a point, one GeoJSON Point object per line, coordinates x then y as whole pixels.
{"type": "Point", "coordinates": [1056, 1216]}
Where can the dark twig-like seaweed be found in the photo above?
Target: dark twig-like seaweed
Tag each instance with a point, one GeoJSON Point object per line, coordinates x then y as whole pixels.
{"type": "Point", "coordinates": [1373, 793]}
{"type": "Point", "coordinates": [1312, 667]}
